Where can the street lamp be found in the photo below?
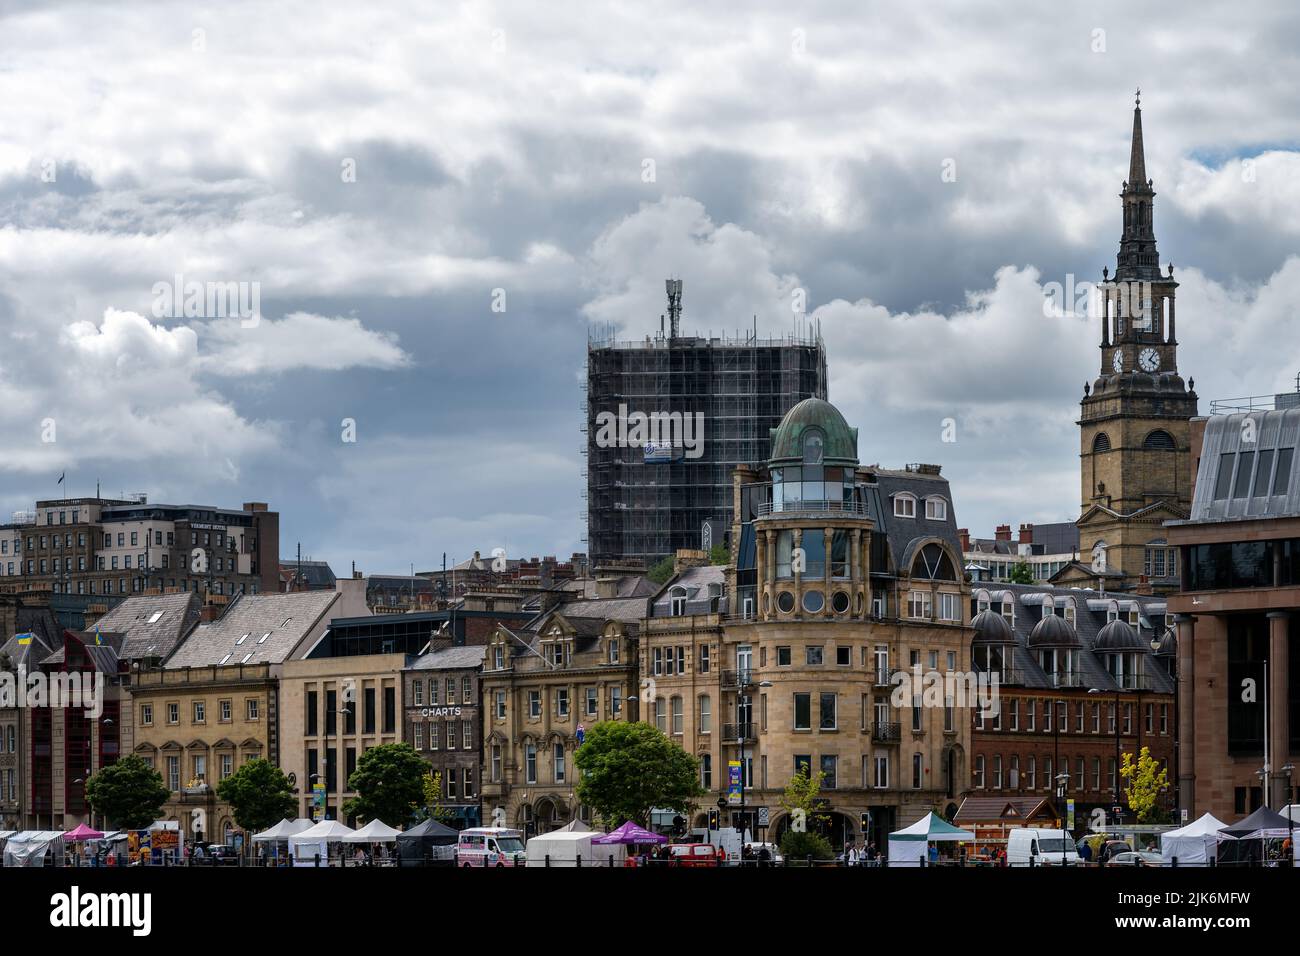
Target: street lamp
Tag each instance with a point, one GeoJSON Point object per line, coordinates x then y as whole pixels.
{"type": "Point", "coordinates": [741, 730]}
{"type": "Point", "coordinates": [1062, 780]}
{"type": "Point", "coordinates": [1115, 786]}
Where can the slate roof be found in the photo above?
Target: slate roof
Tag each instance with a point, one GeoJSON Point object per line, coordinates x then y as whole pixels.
{"type": "Point", "coordinates": [703, 586]}
{"type": "Point", "coordinates": [1090, 618]}
{"type": "Point", "coordinates": [450, 658]}
{"type": "Point", "coordinates": [903, 533]}
{"type": "Point", "coordinates": [152, 624]}
{"type": "Point", "coordinates": [256, 629]}
{"type": "Point", "coordinates": [317, 574]}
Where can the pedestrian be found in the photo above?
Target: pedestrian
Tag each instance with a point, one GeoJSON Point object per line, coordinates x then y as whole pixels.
{"type": "Point", "coordinates": [853, 854]}
{"type": "Point", "coordinates": [1085, 852]}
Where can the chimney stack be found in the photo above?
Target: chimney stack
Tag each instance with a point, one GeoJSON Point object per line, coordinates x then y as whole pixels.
{"type": "Point", "coordinates": [964, 534]}
{"type": "Point", "coordinates": [1026, 533]}
{"type": "Point", "coordinates": [1002, 533]}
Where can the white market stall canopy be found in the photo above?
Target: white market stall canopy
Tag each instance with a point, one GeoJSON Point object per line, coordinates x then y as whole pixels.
{"type": "Point", "coordinates": [376, 831]}
{"type": "Point", "coordinates": [568, 847]}
{"type": "Point", "coordinates": [314, 842]}
{"type": "Point", "coordinates": [909, 844]}
{"type": "Point", "coordinates": [282, 831]}
{"type": "Point", "coordinates": [28, 848]}
{"type": "Point", "coordinates": [1195, 843]}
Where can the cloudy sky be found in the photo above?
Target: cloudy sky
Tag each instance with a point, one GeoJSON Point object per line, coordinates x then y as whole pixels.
{"type": "Point", "coordinates": [383, 175]}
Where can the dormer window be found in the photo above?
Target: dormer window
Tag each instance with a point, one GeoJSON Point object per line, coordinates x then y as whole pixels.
{"type": "Point", "coordinates": [812, 448]}
{"type": "Point", "coordinates": [904, 506]}
{"type": "Point", "coordinates": [499, 657]}
{"type": "Point", "coordinates": [936, 508]}
{"type": "Point", "coordinates": [677, 601]}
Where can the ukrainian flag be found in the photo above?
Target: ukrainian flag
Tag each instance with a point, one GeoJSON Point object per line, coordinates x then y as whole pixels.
{"type": "Point", "coordinates": [98, 638]}
{"type": "Point", "coordinates": [25, 638]}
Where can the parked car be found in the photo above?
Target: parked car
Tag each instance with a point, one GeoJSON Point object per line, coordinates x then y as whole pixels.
{"type": "Point", "coordinates": [694, 854]}
{"type": "Point", "coordinates": [222, 854]}
{"type": "Point", "coordinates": [1111, 848]}
{"type": "Point", "coordinates": [1136, 858]}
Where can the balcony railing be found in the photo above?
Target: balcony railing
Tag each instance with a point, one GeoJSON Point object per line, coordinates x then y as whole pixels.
{"type": "Point", "coordinates": [812, 506]}
{"type": "Point", "coordinates": [1067, 679]}
{"type": "Point", "coordinates": [1132, 681]}
{"type": "Point", "coordinates": [733, 733]}
{"type": "Point", "coordinates": [1006, 675]}
{"type": "Point", "coordinates": [737, 679]}
{"type": "Point", "coordinates": [887, 733]}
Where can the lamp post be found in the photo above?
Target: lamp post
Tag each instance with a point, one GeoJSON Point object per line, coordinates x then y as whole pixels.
{"type": "Point", "coordinates": [1115, 783]}
{"type": "Point", "coordinates": [1062, 781]}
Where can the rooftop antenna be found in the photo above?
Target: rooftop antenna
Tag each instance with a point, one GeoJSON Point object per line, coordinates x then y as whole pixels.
{"type": "Point", "coordinates": [674, 287]}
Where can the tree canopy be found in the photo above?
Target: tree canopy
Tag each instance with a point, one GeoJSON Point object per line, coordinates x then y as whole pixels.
{"type": "Point", "coordinates": [627, 769]}
{"type": "Point", "coordinates": [259, 795]}
{"type": "Point", "coordinates": [389, 781]}
{"type": "Point", "coordinates": [129, 793]}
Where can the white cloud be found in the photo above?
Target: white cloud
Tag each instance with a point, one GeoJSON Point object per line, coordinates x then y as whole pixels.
{"type": "Point", "coordinates": [298, 341]}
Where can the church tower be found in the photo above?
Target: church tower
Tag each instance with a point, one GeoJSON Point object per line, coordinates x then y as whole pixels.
{"type": "Point", "coordinates": [1134, 426]}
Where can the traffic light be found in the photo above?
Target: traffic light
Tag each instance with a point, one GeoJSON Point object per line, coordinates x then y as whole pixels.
{"type": "Point", "coordinates": [866, 822]}
{"type": "Point", "coordinates": [713, 819]}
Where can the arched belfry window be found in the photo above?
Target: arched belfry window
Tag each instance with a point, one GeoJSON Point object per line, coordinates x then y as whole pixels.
{"type": "Point", "coordinates": [1159, 440]}
{"type": "Point", "coordinates": [812, 448]}
{"type": "Point", "coordinates": [933, 564]}
{"type": "Point", "coordinates": [1101, 442]}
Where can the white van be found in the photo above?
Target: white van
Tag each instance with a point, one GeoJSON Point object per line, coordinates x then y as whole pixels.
{"type": "Point", "coordinates": [1045, 847]}
{"type": "Point", "coordinates": [490, 846]}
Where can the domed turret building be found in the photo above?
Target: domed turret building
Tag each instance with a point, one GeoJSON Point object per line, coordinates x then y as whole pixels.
{"type": "Point", "coordinates": [845, 594]}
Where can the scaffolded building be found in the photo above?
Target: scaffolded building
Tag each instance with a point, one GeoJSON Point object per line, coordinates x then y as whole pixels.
{"type": "Point", "coordinates": [646, 499]}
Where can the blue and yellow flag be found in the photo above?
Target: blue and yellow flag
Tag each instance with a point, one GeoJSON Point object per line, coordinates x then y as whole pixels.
{"type": "Point", "coordinates": [98, 638]}
{"type": "Point", "coordinates": [25, 638]}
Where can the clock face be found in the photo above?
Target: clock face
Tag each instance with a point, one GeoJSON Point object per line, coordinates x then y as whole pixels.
{"type": "Point", "coordinates": [1117, 362]}
{"type": "Point", "coordinates": [1149, 360]}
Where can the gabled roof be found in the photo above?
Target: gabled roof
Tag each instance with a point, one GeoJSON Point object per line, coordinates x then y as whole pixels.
{"type": "Point", "coordinates": [450, 658]}
{"type": "Point", "coordinates": [256, 629]}
{"type": "Point", "coordinates": [152, 624]}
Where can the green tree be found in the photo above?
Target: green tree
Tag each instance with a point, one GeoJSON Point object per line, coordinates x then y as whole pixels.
{"type": "Point", "coordinates": [803, 797]}
{"type": "Point", "coordinates": [259, 795]}
{"type": "Point", "coordinates": [433, 807]}
{"type": "Point", "coordinates": [661, 570]}
{"type": "Point", "coordinates": [628, 769]}
{"type": "Point", "coordinates": [1146, 781]}
{"type": "Point", "coordinates": [130, 793]}
{"type": "Point", "coordinates": [719, 554]}
{"type": "Point", "coordinates": [797, 847]}
{"type": "Point", "coordinates": [389, 781]}
{"type": "Point", "coordinates": [1021, 573]}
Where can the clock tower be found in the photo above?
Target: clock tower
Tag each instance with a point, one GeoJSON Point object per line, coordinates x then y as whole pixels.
{"type": "Point", "coordinates": [1134, 426]}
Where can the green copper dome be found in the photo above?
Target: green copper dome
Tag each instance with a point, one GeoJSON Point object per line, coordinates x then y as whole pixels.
{"type": "Point", "coordinates": [811, 417]}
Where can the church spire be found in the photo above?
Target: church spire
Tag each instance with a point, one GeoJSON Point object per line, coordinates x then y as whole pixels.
{"type": "Point", "coordinates": [1138, 259]}
{"type": "Point", "coordinates": [1137, 162]}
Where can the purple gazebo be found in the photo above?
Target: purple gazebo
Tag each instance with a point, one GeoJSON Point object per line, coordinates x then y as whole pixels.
{"type": "Point", "coordinates": [630, 833]}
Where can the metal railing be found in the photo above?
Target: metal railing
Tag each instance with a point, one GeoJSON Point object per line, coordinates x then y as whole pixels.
{"type": "Point", "coordinates": [732, 733]}
{"type": "Point", "coordinates": [736, 679]}
{"type": "Point", "coordinates": [888, 732]}
{"type": "Point", "coordinates": [812, 506]}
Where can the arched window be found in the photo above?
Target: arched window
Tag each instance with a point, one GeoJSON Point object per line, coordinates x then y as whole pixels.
{"type": "Point", "coordinates": [812, 448]}
{"type": "Point", "coordinates": [1099, 556]}
{"type": "Point", "coordinates": [933, 564]}
{"type": "Point", "coordinates": [1101, 442]}
{"type": "Point", "coordinates": [677, 601]}
{"type": "Point", "coordinates": [904, 505]}
{"type": "Point", "coordinates": [1159, 440]}
{"type": "Point", "coordinates": [936, 508]}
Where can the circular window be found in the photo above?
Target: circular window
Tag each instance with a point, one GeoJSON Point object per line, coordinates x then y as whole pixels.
{"type": "Point", "coordinates": [813, 601]}
{"type": "Point", "coordinates": [840, 602]}
{"type": "Point", "coordinates": [785, 602]}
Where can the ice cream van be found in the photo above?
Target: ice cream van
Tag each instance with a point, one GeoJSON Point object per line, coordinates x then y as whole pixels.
{"type": "Point", "coordinates": [490, 846]}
